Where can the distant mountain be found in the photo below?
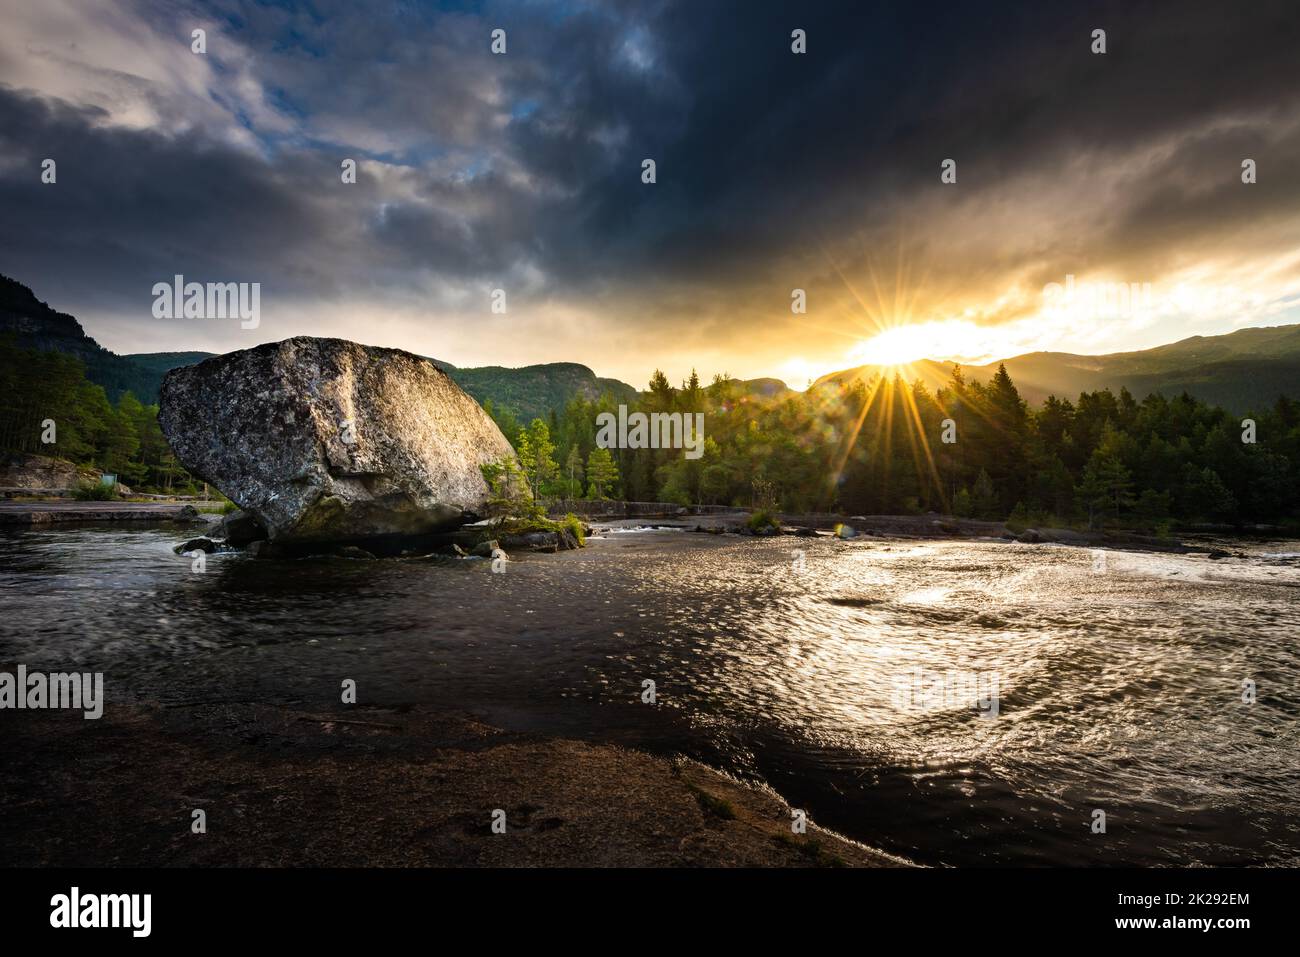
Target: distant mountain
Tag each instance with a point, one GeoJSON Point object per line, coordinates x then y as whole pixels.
{"type": "Point", "coordinates": [158, 364]}
{"type": "Point", "coordinates": [769, 388]}
{"type": "Point", "coordinates": [530, 391]}
{"type": "Point", "coordinates": [1242, 370]}
{"type": "Point", "coordinates": [533, 391]}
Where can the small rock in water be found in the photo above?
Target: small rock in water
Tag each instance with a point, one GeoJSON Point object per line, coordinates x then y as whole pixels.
{"type": "Point", "coordinates": [484, 549]}
{"type": "Point", "coordinates": [196, 545]}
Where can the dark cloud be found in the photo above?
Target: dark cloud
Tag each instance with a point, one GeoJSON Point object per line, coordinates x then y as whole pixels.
{"type": "Point", "coordinates": [479, 170]}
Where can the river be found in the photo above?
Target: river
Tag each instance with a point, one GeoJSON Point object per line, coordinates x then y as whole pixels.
{"type": "Point", "coordinates": [956, 702]}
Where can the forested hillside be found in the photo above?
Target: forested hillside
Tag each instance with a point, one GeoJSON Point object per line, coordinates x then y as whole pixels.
{"type": "Point", "coordinates": [533, 391]}
{"type": "Point", "coordinates": [34, 325]}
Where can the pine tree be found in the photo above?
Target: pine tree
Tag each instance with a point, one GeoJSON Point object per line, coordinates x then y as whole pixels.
{"type": "Point", "coordinates": [602, 473]}
{"type": "Point", "coordinates": [573, 468]}
{"type": "Point", "coordinates": [540, 466]}
{"type": "Point", "coordinates": [1106, 484]}
{"type": "Point", "coordinates": [984, 497]}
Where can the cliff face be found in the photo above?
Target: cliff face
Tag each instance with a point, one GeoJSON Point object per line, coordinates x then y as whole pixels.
{"type": "Point", "coordinates": [325, 440]}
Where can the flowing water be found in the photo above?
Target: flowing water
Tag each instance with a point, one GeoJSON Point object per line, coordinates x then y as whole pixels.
{"type": "Point", "coordinates": [955, 702]}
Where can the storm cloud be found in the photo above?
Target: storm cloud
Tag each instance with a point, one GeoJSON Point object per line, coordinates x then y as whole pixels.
{"type": "Point", "coordinates": [522, 171]}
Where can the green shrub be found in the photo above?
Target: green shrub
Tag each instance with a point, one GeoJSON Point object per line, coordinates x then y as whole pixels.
{"type": "Point", "coordinates": [510, 492]}
{"type": "Point", "coordinates": [575, 526]}
{"type": "Point", "coordinates": [96, 492]}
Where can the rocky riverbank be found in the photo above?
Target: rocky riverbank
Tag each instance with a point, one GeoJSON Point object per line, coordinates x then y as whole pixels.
{"type": "Point", "coordinates": [282, 786]}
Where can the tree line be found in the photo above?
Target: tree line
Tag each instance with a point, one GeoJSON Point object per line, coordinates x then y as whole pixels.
{"type": "Point", "coordinates": [888, 446]}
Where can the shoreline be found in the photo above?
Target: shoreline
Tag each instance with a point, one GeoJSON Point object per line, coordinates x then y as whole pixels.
{"type": "Point", "coordinates": [33, 514]}
{"type": "Point", "coordinates": [947, 528]}
{"type": "Point", "coordinates": [374, 786]}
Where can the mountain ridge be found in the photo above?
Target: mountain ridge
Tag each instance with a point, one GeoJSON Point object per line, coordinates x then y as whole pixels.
{"type": "Point", "coordinates": [1239, 370]}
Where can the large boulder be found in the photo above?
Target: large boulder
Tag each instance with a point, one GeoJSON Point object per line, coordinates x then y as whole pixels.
{"type": "Point", "coordinates": [328, 440]}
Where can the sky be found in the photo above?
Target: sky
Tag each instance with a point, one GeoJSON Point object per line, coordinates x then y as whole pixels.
{"type": "Point", "coordinates": [1098, 203]}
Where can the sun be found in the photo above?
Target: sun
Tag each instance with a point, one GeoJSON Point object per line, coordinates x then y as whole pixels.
{"type": "Point", "coordinates": [944, 340]}
{"type": "Point", "coordinates": [895, 347]}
